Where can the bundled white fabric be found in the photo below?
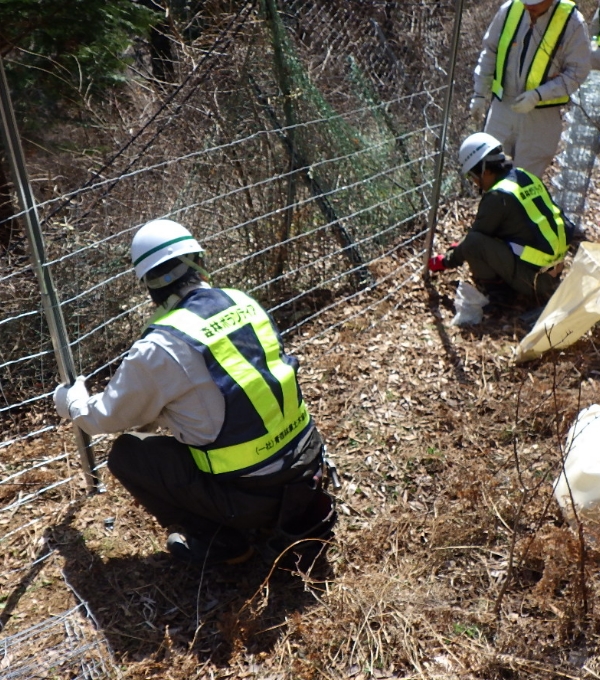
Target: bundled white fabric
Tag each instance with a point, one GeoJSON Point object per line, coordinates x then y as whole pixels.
{"type": "Point", "coordinates": [571, 311]}
{"type": "Point", "coordinates": [581, 473]}
{"type": "Point", "coordinates": [469, 305]}
{"type": "Point", "coordinates": [579, 481]}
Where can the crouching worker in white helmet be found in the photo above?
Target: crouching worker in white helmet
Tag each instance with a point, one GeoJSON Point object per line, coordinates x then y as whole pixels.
{"type": "Point", "coordinates": [519, 238]}
{"type": "Point", "coordinates": [244, 454]}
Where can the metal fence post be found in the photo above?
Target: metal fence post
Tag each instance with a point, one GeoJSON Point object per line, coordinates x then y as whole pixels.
{"type": "Point", "coordinates": [50, 301]}
{"type": "Point", "coordinates": [432, 220]}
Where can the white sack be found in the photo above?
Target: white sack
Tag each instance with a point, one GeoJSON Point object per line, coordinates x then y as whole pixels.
{"type": "Point", "coordinates": [571, 311]}
{"type": "Point", "coordinates": [581, 473]}
{"type": "Point", "coordinates": [469, 305]}
{"type": "Point", "coordinates": [580, 476]}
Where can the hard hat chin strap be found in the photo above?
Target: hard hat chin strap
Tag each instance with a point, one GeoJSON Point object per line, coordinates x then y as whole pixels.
{"type": "Point", "coordinates": [481, 178]}
{"type": "Point", "coordinates": [194, 265]}
{"type": "Point", "coordinates": [168, 278]}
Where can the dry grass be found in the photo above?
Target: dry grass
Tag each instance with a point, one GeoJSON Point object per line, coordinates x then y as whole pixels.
{"type": "Point", "coordinates": [451, 559]}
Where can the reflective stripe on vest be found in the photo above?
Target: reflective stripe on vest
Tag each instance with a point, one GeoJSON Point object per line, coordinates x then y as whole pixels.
{"type": "Point", "coordinates": [545, 217]}
{"type": "Point", "coordinates": [542, 60]}
{"type": "Point", "coordinates": [282, 425]}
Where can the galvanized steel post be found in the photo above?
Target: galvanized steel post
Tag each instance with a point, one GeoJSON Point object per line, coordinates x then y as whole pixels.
{"type": "Point", "coordinates": [435, 199]}
{"type": "Point", "coordinates": [50, 301]}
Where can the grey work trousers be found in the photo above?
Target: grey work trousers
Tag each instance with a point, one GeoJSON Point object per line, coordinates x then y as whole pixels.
{"type": "Point", "coordinates": [530, 139]}
{"type": "Point", "coordinates": [490, 258]}
{"type": "Point", "coordinates": [161, 475]}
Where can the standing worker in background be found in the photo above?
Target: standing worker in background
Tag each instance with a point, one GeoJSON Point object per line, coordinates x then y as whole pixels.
{"type": "Point", "coordinates": [520, 236]}
{"type": "Point", "coordinates": [245, 454]}
{"type": "Point", "coordinates": [536, 53]}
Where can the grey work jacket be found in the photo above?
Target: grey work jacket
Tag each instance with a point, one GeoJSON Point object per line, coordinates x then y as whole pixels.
{"type": "Point", "coordinates": [570, 65]}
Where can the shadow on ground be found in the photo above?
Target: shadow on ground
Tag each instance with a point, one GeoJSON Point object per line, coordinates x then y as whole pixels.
{"type": "Point", "coordinates": [149, 605]}
{"type": "Point", "coordinates": [498, 323]}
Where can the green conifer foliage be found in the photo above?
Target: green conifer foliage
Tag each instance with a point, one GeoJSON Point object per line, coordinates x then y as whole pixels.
{"type": "Point", "coordinates": [63, 51]}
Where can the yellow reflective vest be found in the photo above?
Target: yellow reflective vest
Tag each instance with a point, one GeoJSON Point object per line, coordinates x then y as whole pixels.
{"type": "Point", "coordinates": [542, 60]}
{"type": "Point", "coordinates": [265, 414]}
{"type": "Point", "coordinates": [545, 218]}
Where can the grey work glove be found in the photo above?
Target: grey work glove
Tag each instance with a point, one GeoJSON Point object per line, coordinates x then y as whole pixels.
{"type": "Point", "coordinates": [66, 395]}
{"type": "Point", "coordinates": [477, 109]}
{"type": "Point", "coordinates": [526, 102]}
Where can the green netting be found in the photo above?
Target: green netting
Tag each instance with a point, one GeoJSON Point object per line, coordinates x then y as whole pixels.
{"type": "Point", "coordinates": [367, 178]}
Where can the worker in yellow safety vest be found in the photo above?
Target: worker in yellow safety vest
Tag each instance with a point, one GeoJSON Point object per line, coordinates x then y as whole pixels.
{"type": "Point", "coordinates": [244, 460]}
{"type": "Point", "coordinates": [536, 53]}
{"type": "Point", "coordinates": [519, 238]}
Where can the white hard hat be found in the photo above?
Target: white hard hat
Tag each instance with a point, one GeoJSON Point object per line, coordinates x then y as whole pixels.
{"type": "Point", "coordinates": [477, 147]}
{"type": "Point", "coordinates": [158, 241]}
{"type": "Point", "coordinates": [531, 2]}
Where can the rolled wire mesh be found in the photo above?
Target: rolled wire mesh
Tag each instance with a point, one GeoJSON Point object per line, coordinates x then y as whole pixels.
{"type": "Point", "coordinates": [63, 644]}
{"type": "Point", "coordinates": [581, 146]}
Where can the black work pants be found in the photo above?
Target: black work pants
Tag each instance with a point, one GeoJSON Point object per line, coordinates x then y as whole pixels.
{"type": "Point", "coordinates": [490, 258]}
{"type": "Point", "coordinates": [161, 474]}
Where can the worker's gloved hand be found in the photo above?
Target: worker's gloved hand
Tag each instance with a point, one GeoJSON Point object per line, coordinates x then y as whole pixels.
{"type": "Point", "coordinates": [526, 102]}
{"type": "Point", "coordinates": [454, 245]}
{"type": "Point", "coordinates": [477, 109]}
{"type": "Point", "coordinates": [66, 395]}
{"type": "Point", "coordinates": [436, 264]}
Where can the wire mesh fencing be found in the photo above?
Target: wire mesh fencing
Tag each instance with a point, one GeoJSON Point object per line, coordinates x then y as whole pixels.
{"type": "Point", "coordinates": [64, 645]}
{"type": "Point", "coordinates": [581, 142]}
{"type": "Point", "coordinates": [298, 145]}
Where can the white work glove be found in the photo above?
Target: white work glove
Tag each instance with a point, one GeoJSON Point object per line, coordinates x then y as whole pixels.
{"type": "Point", "coordinates": [477, 109]}
{"type": "Point", "coordinates": [66, 395]}
{"type": "Point", "coordinates": [526, 102]}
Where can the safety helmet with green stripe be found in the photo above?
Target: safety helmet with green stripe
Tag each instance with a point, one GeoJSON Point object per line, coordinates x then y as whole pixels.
{"type": "Point", "coordinates": [158, 242]}
{"type": "Point", "coordinates": [479, 147]}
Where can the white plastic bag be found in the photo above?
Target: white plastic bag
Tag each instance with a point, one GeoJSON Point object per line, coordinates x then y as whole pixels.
{"type": "Point", "coordinates": [581, 474]}
{"type": "Point", "coordinates": [571, 311]}
{"type": "Point", "coordinates": [469, 305]}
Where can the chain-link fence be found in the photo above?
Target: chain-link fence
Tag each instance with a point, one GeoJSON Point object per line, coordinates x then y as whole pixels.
{"type": "Point", "coordinates": [581, 145]}
{"type": "Point", "coordinates": [299, 145]}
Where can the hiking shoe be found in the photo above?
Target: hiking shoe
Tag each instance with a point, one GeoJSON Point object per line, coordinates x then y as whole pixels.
{"type": "Point", "coordinates": [499, 294]}
{"type": "Point", "coordinates": [206, 552]}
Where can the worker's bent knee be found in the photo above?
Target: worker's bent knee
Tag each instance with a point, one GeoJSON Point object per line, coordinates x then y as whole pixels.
{"type": "Point", "coordinates": [488, 256]}
{"type": "Point", "coordinates": [123, 454]}
{"type": "Point", "coordinates": [475, 244]}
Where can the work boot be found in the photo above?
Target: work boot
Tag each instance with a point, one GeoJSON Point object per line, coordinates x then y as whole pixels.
{"type": "Point", "coordinates": [308, 532]}
{"type": "Point", "coordinates": [497, 291]}
{"type": "Point", "coordinates": [530, 317]}
{"type": "Point", "coordinates": [208, 551]}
